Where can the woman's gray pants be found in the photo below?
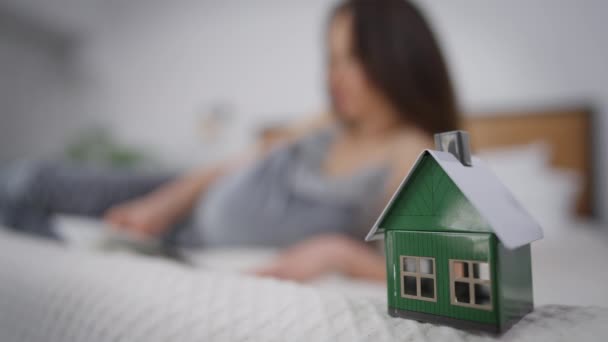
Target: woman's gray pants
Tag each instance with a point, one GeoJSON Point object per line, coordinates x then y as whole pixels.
{"type": "Point", "coordinates": [32, 192]}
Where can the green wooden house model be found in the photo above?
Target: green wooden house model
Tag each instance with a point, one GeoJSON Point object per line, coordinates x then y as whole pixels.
{"type": "Point", "coordinates": [457, 243]}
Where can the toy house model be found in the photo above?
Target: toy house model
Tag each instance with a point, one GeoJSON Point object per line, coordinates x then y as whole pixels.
{"type": "Point", "coordinates": [457, 243]}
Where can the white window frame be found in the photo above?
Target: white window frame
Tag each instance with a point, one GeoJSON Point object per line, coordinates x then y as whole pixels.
{"type": "Point", "coordinates": [471, 281]}
{"type": "Point", "coordinates": [418, 275]}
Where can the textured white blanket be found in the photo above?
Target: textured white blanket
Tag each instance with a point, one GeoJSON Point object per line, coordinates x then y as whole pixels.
{"type": "Point", "coordinates": [48, 293]}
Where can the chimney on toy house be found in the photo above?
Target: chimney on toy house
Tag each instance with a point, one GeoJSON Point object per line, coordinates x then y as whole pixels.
{"type": "Point", "coordinates": [457, 143]}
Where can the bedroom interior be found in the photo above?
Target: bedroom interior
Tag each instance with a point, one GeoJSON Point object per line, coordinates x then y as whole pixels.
{"type": "Point", "coordinates": [165, 86]}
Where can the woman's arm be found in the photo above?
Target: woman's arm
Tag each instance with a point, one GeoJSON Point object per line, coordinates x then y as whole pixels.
{"type": "Point", "coordinates": [159, 210]}
{"type": "Point", "coordinates": [154, 213]}
{"type": "Point", "coordinates": [330, 253]}
{"type": "Point", "coordinates": [363, 260]}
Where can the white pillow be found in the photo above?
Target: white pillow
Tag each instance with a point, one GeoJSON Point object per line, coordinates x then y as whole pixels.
{"type": "Point", "coordinates": [549, 194]}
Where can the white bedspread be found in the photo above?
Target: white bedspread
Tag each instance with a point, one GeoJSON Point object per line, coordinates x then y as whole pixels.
{"type": "Point", "coordinates": [49, 293]}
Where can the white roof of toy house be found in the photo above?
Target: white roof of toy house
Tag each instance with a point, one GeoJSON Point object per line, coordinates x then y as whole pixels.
{"type": "Point", "coordinates": [511, 223]}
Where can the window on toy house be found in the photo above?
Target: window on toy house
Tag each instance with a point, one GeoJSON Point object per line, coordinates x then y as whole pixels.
{"type": "Point", "coordinates": [418, 278]}
{"type": "Point", "coordinates": [470, 284]}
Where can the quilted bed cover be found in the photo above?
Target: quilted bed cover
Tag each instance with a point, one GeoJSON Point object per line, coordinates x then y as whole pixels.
{"type": "Point", "coordinates": [53, 294]}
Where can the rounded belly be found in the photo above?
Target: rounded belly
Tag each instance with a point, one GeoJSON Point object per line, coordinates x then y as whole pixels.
{"type": "Point", "coordinates": [250, 208]}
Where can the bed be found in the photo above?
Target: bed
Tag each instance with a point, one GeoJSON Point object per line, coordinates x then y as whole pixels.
{"type": "Point", "coordinates": [50, 292]}
{"type": "Point", "coordinates": [59, 295]}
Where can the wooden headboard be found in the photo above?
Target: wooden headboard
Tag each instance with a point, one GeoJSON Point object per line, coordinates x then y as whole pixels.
{"type": "Point", "coordinates": [567, 131]}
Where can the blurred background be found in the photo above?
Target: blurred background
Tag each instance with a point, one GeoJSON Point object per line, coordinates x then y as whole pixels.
{"type": "Point", "coordinates": [172, 84]}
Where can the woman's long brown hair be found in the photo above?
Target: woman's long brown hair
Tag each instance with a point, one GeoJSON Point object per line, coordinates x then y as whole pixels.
{"type": "Point", "coordinates": [401, 56]}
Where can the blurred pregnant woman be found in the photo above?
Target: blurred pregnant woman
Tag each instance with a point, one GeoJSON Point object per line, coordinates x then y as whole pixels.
{"type": "Point", "coordinates": [316, 190]}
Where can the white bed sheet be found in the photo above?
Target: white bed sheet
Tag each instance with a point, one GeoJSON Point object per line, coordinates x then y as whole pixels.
{"type": "Point", "coordinates": [49, 293]}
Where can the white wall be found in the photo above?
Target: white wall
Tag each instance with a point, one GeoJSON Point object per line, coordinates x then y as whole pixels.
{"type": "Point", "coordinates": [169, 66]}
{"type": "Point", "coordinates": [42, 100]}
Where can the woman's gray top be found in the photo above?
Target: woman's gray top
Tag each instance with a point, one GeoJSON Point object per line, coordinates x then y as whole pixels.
{"type": "Point", "coordinates": [286, 197]}
{"type": "Point", "coordinates": [275, 202]}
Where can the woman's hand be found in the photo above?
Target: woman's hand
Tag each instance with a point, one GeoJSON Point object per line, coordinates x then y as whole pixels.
{"type": "Point", "coordinates": [325, 254]}
{"type": "Point", "coordinates": [156, 212]}
{"type": "Point", "coordinates": [145, 216]}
